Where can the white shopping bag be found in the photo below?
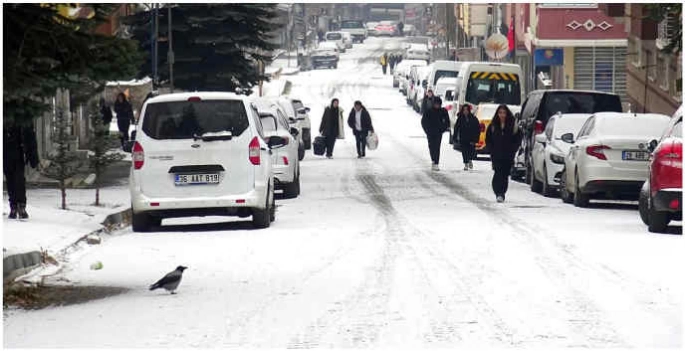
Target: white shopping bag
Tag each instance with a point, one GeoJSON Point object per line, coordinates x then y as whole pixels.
{"type": "Point", "coordinates": [372, 141]}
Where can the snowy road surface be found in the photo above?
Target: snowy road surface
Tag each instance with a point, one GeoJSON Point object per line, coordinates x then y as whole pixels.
{"type": "Point", "coordinates": [380, 252]}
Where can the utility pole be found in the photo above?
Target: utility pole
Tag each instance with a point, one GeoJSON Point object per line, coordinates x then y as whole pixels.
{"type": "Point", "coordinates": [170, 55]}
{"type": "Point", "coordinates": [447, 33]}
{"type": "Point", "coordinates": [155, 78]}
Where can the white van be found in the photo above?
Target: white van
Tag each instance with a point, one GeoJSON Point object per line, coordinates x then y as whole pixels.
{"type": "Point", "coordinates": [338, 38]}
{"type": "Point", "coordinates": [443, 69]}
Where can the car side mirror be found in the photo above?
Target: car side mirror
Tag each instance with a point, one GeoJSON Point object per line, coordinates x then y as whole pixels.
{"type": "Point", "coordinates": [541, 138]}
{"type": "Point", "coordinates": [517, 115]}
{"type": "Point", "coordinates": [294, 131]}
{"type": "Point", "coordinates": [652, 145]}
{"type": "Point", "coordinates": [276, 142]}
{"type": "Point", "coordinates": [424, 84]}
{"type": "Point", "coordinates": [568, 138]}
{"type": "Point", "coordinates": [292, 120]}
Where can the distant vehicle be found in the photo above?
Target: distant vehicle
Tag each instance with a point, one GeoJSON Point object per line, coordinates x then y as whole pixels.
{"type": "Point", "coordinates": [347, 39]}
{"type": "Point", "coordinates": [662, 194]}
{"type": "Point", "coordinates": [609, 158]}
{"type": "Point", "coordinates": [418, 52]}
{"type": "Point", "coordinates": [371, 28]}
{"type": "Point", "coordinates": [285, 161]}
{"type": "Point", "coordinates": [423, 74]}
{"type": "Point", "coordinates": [298, 118]}
{"type": "Point", "coordinates": [402, 71]}
{"type": "Point", "coordinates": [387, 28]}
{"type": "Point", "coordinates": [221, 164]}
{"type": "Point", "coordinates": [550, 149]}
{"type": "Point", "coordinates": [443, 69]}
{"type": "Point", "coordinates": [417, 40]}
{"type": "Point", "coordinates": [443, 84]}
{"type": "Point", "coordinates": [326, 55]}
{"type": "Point", "coordinates": [409, 29]}
{"type": "Point", "coordinates": [356, 29]}
{"type": "Point", "coordinates": [337, 38]}
{"type": "Point", "coordinates": [543, 104]}
{"type": "Point", "coordinates": [418, 80]}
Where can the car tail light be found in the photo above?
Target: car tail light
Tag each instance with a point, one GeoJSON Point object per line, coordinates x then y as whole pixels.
{"type": "Point", "coordinates": [138, 156]}
{"type": "Point", "coordinates": [285, 160]}
{"type": "Point", "coordinates": [674, 204]}
{"type": "Point", "coordinates": [194, 99]}
{"type": "Point", "coordinates": [539, 128]}
{"type": "Point", "coordinates": [482, 127]}
{"type": "Point", "coordinates": [597, 151]}
{"type": "Point", "coordinates": [448, 107]}
{"type": "Point", "coordinates": [255, 152]}
{"type": "Point", "coordinates": [670, 155]}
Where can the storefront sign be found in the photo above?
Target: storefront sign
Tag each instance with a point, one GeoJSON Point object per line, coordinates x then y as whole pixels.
{"type": "Point", "coordinates": [549, 57]}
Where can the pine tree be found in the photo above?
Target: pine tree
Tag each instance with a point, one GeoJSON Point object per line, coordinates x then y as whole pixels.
{"type": "Point", "coordinates": [45, 50]}
{"type": "Point", "coordinates": [64, 163]}
{"type": "Point", "coordinates": [100, 145]}
{"type": "Point", "coordinates": [216, 46]}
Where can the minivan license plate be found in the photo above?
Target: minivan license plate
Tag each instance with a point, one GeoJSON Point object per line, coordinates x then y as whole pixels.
{"type": "Point", "coordinates": [635, 156]}
{"type": "Point", "coordinates": [197, 179]}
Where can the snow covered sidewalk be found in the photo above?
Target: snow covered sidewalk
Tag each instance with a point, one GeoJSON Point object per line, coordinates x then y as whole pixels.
{"type": "Point", "coordinates": [52, 229]}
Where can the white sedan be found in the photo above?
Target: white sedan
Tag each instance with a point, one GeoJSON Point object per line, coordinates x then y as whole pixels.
{"type": "Point", "coordinates": [286, 163]}
{"type": "Point", "coordinates": [550, 149]}
{"type": "Point", "coordinates": [610, 156]}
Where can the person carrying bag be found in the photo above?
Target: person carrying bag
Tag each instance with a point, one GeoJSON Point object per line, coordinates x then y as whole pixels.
{"type": "Point", "coordinates": [359, 121]}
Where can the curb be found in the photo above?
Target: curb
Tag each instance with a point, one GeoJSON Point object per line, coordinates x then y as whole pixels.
{"type": "Point", "coordinates": [17, 265]}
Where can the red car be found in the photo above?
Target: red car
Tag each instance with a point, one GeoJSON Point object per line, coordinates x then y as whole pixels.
{"type": "Point", "coordinates": [386, 28]}
{"type": "Point", "coordinates": [661, 195]}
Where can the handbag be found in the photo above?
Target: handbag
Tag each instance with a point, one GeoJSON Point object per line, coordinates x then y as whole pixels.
{"type": "Point", "coordinates": [372, 141]}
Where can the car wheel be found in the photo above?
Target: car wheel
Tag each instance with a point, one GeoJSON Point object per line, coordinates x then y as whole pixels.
{"type": "Point", "coordinates": [272, 209]}
{"type": "Point", "coordinates": [579, 198]}
{"type": "Point", "coordinates": [643, 203]}
{"type": "Point", "coordinates": [261, 217]}
{"type": "Point", "coordinates": [547, 190]}
{"type": "Point", "coordinates": [528, 172]}
{"type": "Point", "coordinates": [300, 152]}
{"type": "Point", "coordinates": [535, 185]}
{"type": "Point", "coordinates": [307, 138]}
{"type": "Point", "coordinates": [292, 190]}
{"type": "Point", "coordinates": [566, 196]}
{"type": "Point", "coordinates": [143, 222]}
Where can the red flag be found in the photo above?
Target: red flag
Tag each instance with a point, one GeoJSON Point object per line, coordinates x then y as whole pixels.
{"type": "Point", "coordinates": [510, 36]}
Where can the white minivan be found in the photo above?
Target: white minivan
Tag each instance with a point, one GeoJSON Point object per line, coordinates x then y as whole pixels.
{"type": "Point", "coordinates": [443, 69]}
{"type": "Point", "coordinates": [338, 38]}
{"type": "Point", "coordinates": [201, 154]}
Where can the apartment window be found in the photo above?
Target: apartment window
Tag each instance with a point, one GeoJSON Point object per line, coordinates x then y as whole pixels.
{"type": "Point", "coordinates": [651, 67]}
{"type": "Point", "coordinates": [662, 70]}
{"type": "Point", "coordinates": [666, 31]}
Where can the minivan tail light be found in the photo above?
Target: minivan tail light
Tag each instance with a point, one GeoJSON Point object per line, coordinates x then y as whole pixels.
{"type": "Point", "coordinates": [138, 156]}
{"type": "Point", "coordinates": [255, 158]}
{"type": "Point", "coordinates": [285, 160]}
{"type": "Point", "coordinates": [597, 151]}
{"type": "Point", "coordinates": [194, 99]}
{"type": "Point", "coordinates": [538, 128]}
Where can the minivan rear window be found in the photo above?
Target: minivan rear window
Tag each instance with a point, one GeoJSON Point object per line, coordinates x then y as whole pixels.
{"type": "Point", "coordinates": [334, 36]}
{"type": "Point", "coordinates": [444, 74]}
{"type": "Point", "coordinates": [573, 102]}
{"type": "Point", "coordinates": [351, 24]}
{"type": "Point", "coordinates": [184, 119]}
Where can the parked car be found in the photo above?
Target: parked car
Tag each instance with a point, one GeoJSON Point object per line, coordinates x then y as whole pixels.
{"type": "Point", "coordinates": [420, 87]}
{"type": "Point", "coordinates": [326, 55]}
{"type": "Point", "coordinates": [550, 149]}
{"type": "Point", "coordinates": [543, 104]}
{"type": "Point", "coordinates": [295, 120]}
{"type": "Point", "coordinates": [371, 28]}
{"type": "Point", "coordinates": [338, 39]}
{"type": "Point", "coordinates": [387, 28]}
{"type": "Point", "coordinates": [609, 158]}
{"type": "Point", "coordinates": [347, 39]}
{"type": "Point", "coordinates": [402, 72]}
{"type": "Point", "coordinates": [304, 122]}
{"type": "Point", "coordinates": [286, 165]}
{"type": "Point", "coordinates": [443, 69]}
{"type": "Point", "coordinates": [356, 29]}
{"type": "Point", "coordinates": [418, 52]}
{"type": "Point", "coordinates": [201, 154]}
{"type": "Point", "coordinates": [662, 193]}
{"type": "Point", "coordinates": [409, 29]}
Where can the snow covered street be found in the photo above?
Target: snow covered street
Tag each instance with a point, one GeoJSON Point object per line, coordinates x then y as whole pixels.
{"type": "Point", "coordinates": [380, 252]}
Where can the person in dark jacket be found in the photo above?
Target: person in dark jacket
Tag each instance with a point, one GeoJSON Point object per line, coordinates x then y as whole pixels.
{"type": "Point", "coordinates": [466, 134]}
{"type": "Point", "coordinates": [427, 102]}
{"type": "Point", "coordinates": [435, 122]}
{"type": "Point", "coordinates": [400, 28]}
{"type": "Point", "coordinates": [502, 139]}
{"type": "Point", "coordinates": [392, 61]}
{"type": "Point", "coordinates": [124, 112]}
{"type": "Point", "coordinates": [330, 126]}
{"type": "Point", "coordinates": [360, 122]}
{"type": "Point", "coordinates": [19, 148]}
{"type": "Point", "coordinates": [106, 112]}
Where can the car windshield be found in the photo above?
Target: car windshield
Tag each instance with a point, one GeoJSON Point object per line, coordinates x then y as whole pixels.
{"type": "Point", "coordinates": [184, 119]}
{"type": "Point", "coordinates": [495, 91]}
{"type": "Point", "coordinates": [575, 102]}
{"type": "Point", "coordinates": [334, 36]}
{"type": "Point", "coordinates": [351, 24]}
{"type": "Point", "coordinates": [445, 74]}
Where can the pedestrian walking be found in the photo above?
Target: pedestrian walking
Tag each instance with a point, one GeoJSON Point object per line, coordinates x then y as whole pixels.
{"type": "Point", "coordinates": [466, 134]}
{"type": "Point", "coordinates": [19, 148]}
{"type": "Point", "coordinates": [427, 102]}
{"type": "Point", "coordinates": [106, 113]}
{"type": "Point", "coordinates": [384, 62]}
{"type": "Point", "coordinates": [435, 122]}
{"type": "Point", "coordinates": [331, 125]}
{"type": "Point", "coordinates": [392, 62]}
{"type": "Point", "coordinates": [400, 27]}
{"type": "Point", "coordinates": [502, 139]}
{"type": "Point", "coordinates": [124, 112]}
{"type": "Point", "coordinates": [360, 122]}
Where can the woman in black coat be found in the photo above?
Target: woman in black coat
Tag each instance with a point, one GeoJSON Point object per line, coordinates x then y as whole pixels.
{"type": "Point", "coordinates": [503, 139]}
{"type": "Point", "coordinates": [19, 148]}
{"type": "Point", "coordinates": [330, 126]}
{"type": "Point", "coordinates": [124, 112]}
{"type": "Point", "coordinates": [106, 113]}
{"type": "Point", "coordinates": [435, 122]}
{"type": "Point", "coordinates": [466, 134]}
{"type": "Point", "coordinates": [360, 122]}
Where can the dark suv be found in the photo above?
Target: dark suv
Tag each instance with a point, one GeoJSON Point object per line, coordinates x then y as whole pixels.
{"type": "Point", "coordinates": [543, 104]}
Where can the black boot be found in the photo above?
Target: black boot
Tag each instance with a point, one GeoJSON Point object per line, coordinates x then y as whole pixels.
{"type": "Point", "coordinates": [13, 212]}
{"type": "Point", "coordinates": [21, 211]}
